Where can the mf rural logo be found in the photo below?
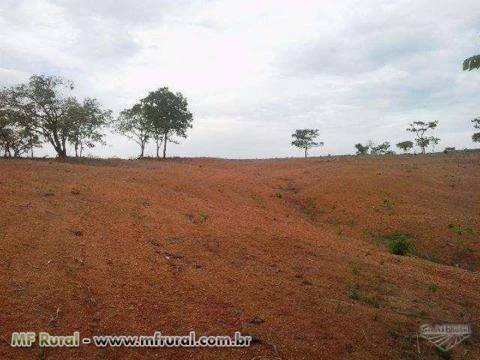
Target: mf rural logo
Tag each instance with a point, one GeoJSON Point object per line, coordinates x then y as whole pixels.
{"type": "Point", "coordinates": [445, 336]}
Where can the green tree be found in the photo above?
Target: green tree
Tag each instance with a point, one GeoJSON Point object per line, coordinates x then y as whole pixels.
{"type": "Point", "coordinates": [382, 149]}
{"type": "Point", "coordinates": [405, 145]}
{"type": "Point", "coordinates": [168, 116]}
{"type": "Point", "coordinates": [16, 137]}
{"type": "Point", "coordinates": [306, 139]}
{"type": "Point", "coordinates": [86, 121]}
{"type": "Point", "coordinates": [476, 125]}
{"type": "Point", "coordinates": [362, 149]}
{"type": "Point", "coordinates": [419, 128]}
{"type": "Point", "coordinates": [44, 106]}
{"type": "Point", "coordinates": [133, 124]}
{"type": "Point", "coordinates": [471, 63]}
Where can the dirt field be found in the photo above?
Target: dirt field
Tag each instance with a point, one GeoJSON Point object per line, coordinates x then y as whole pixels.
{"type": "Point", "coordinates": [291, 251]}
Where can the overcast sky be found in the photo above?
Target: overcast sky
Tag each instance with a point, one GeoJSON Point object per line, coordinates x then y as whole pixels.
{"type": "Point", "coordinates": [254, 71]}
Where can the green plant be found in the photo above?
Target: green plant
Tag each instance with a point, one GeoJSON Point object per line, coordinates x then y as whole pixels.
{"type": "Point", "coordinates": [400, 244]}
{"type": "Point", "coordinates": [353, 294]}
{"type": "Point", "coordinates": [460, 230]}
{"type": "Point", "coordinates": [388, 202]}
{"type": "Point", "coordinates": [203, 217]}
{"type": "Point", "coordinates": [433, 288]}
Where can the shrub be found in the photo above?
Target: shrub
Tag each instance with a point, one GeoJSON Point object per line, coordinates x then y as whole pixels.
{"type": "Point", "coordinates": [353, 294]}
{"type": "Point", "coordinates": [460, 230]}
{"type": "Point", "coordinates": [400, 244]}
{"type": "Point", "coordinates": [203, 216]}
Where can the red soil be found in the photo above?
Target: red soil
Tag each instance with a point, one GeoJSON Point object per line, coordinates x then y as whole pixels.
{"type": "Point", "coordinates": [120, 247]}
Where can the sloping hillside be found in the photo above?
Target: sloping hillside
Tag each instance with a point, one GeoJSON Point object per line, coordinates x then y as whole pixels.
{"type": "Point", "coordinates": [295, 252]}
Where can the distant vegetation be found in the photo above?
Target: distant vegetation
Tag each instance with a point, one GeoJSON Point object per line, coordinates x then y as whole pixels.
{"type": "Point", "coordinates": [43, 111]}
{"type": "Point", "coordinates": [406, 146]}
{"type": "Point", "coordinates": [476, 125]}
{"type": "Point", "coordinates": [419, 128]}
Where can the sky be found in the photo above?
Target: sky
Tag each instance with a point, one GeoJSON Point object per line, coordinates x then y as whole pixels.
{"type": "Point", "coordinates": [254, 71]}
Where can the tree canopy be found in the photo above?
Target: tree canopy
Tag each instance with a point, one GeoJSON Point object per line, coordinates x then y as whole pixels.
{"type": "Point", "coordinates": [86, 120]}
{"type": "Point", "coordinates": [471, 63]}
{"type": "Point", "coordinates": [419, 128]}
{"type": "Point", "coordinates": [381, 149]}
{"type": "Point", "coordinates": [133, 124]}
{"type": "Point", "coordinates": [362, 149]}
{"type": "Point", "coordinates": [405, 145]}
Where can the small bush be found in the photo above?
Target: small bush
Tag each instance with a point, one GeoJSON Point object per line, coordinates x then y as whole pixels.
{"type": "Point", "coordinates": [203, 217]}
{"type": "Point", "coordinates": [353, 294]}
{"type": "Point", "coordinates": [460, 230]}
{"type": "Point", "coordinates": [400, 244]}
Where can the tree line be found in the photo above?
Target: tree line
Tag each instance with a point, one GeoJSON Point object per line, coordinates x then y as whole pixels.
{"type": "Point", "coordinates": [43, 110]}
{"type": "Point", "coordinates": [306, 139]}
{"type": "Point", "coordinates": [419, 128]}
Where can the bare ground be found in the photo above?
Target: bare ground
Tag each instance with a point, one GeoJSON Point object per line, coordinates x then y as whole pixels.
{"type": "Point", "coordinates": [131, 247]}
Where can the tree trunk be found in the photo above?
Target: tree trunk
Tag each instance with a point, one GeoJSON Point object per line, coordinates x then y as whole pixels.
{"type": "Point", "coordinates": [158, 147]}
{"type": "Point", "coordinates": [165, 146]}
{"type": "Point", "coordinates": [76, 150]}
{"type": "Point", "coordinates": [61, 151]}
{"type": "Point", "coordinates": [305, 153]}
{"type": "Point", "coordinates": [142, 147]}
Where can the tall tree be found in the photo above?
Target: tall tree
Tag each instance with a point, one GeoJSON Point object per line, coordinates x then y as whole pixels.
{"type": "Point", "coordinates": [306, 139]}
{"type": "Point", "coordinates": [86, 121]}
{"type": "Point", "coordinates": [44, 103]}
{"type": "Point", "coordinates": [476, 125]}
{"type": "Point", "coordinates": [419, 128]}
{"type": "Point", "coordinates": [168, 115]}
{"type": "Point", "coordinates": [405, 145]}
{"type": "Point", "coordinates": [133, 124]}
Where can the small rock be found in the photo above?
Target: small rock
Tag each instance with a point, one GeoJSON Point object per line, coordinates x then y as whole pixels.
{"type": "Point", "coordinates": [77, 233]}
{"type": "Point", "coordinates": [75, 191]}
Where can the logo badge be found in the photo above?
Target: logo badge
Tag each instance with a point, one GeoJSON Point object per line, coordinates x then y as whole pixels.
{"type": "Point", "coordinates": [445, 336]}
